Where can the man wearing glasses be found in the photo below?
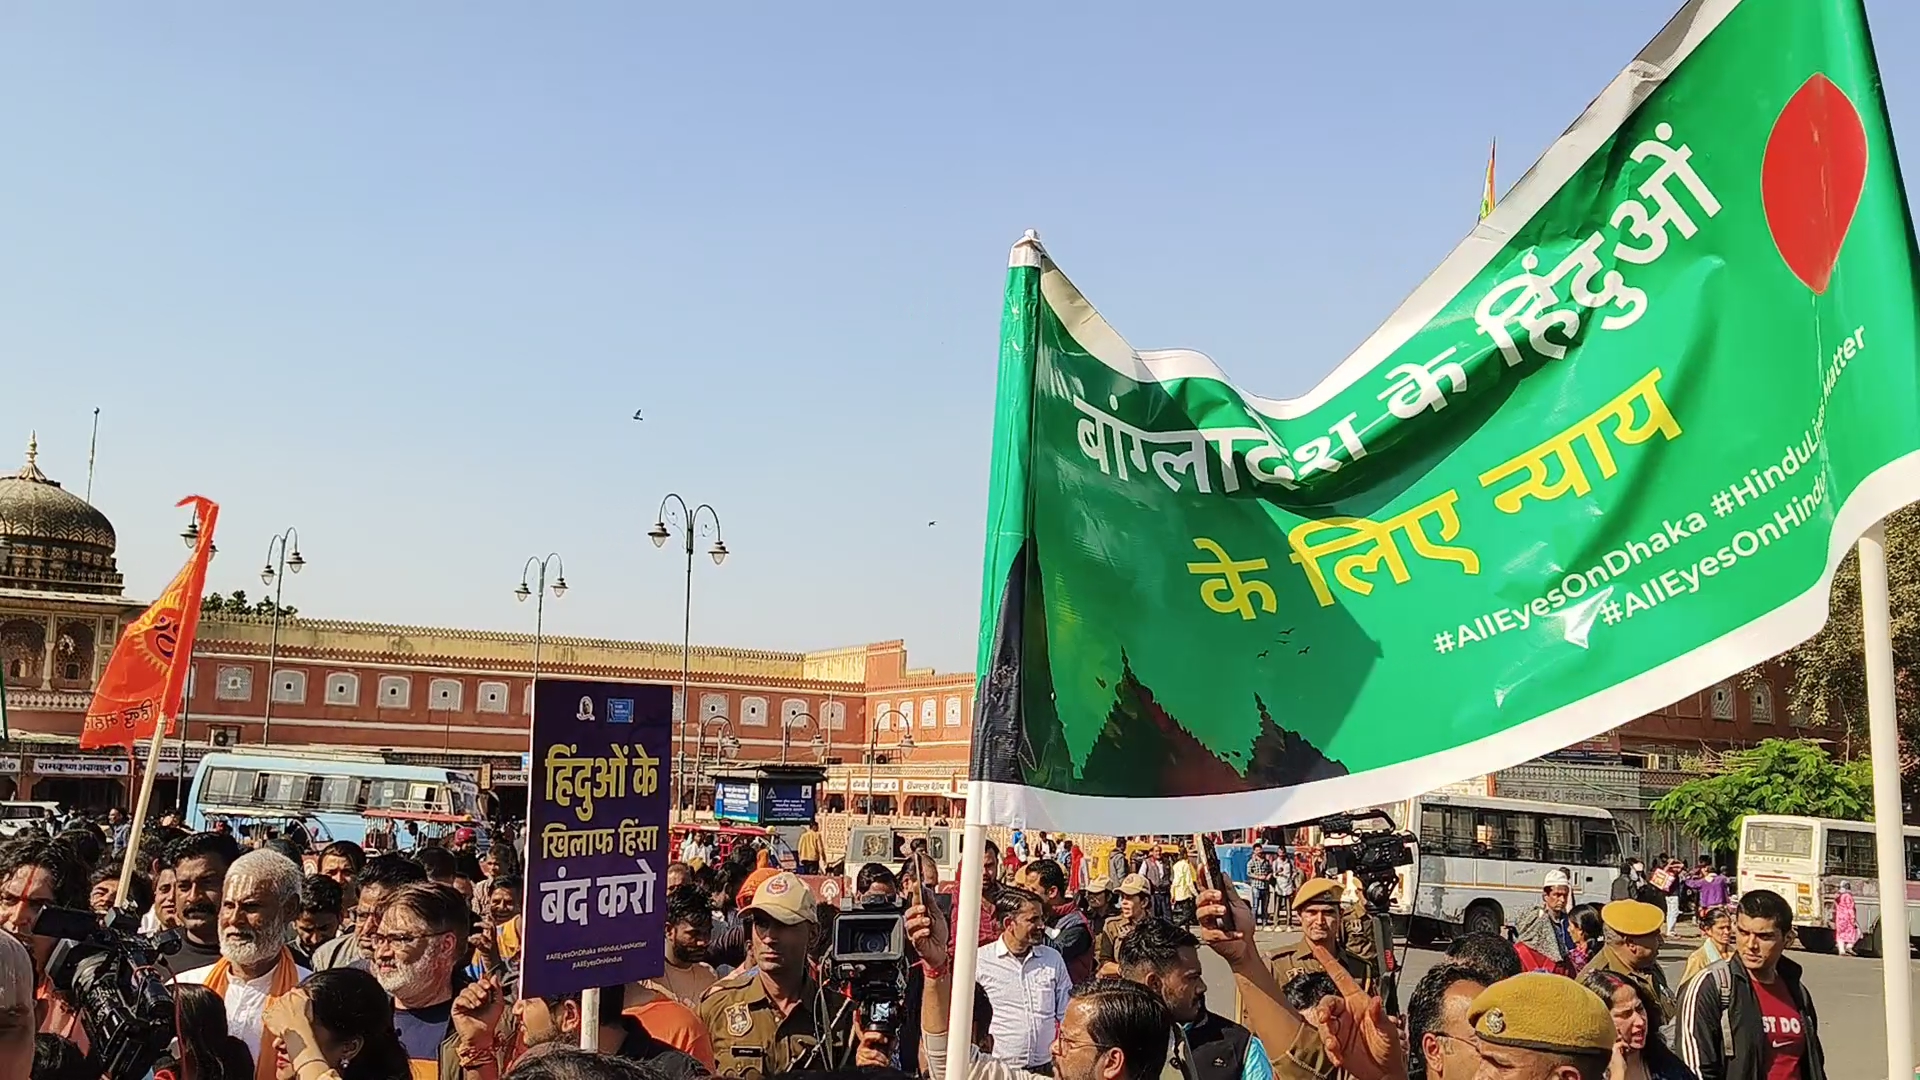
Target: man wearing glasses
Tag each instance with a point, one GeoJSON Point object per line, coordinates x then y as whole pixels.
{"type": "Point", "coordinates": [418, 953]}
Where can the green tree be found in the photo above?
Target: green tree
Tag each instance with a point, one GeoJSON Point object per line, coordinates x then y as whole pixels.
{"type": "Point", "coordinates": [1780, 776]}
{"type": "Point", "coordinates": [1828, 671]}
{"type": "Point", "coordinates": [213, 603]}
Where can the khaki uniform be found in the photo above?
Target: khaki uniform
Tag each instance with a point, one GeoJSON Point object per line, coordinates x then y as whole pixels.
{"type": "Point", "coordinates": [750, 1038]}
{"type": "Point", "coordinates": [1652, 984]}
{"type": "Point", "coordinates": [1106, 947]}
{"type": "Point", "coordinates": [1306, 1059]}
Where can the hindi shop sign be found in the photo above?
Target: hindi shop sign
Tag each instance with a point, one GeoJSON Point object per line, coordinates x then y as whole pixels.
{"type": "Point", "coordinates": [597, 835]}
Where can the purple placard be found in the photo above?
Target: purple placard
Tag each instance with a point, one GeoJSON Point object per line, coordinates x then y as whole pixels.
{"type": "Point", "coordinates": [597, 846]}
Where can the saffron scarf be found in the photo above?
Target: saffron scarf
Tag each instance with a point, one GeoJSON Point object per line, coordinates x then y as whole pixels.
{"type": "Point", "coordinates": [286, 979]}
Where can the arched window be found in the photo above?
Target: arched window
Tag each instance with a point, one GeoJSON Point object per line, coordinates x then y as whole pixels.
{"type": "Point", "coordinates": [236, 684]}
{"type": "Point", "coordinates": [833, 715]}
{"type": "Point", "coordinates": [493, 697]}
{"type": "Point", "coordinates": [1760, 700]}
{"type": "Point", "coordinates": [1720, 701]}
{"type": "Point", "coordinates": [443, 695]}
{"type": "Point", "coordinates": [396, 691]}
{"type": "Point", "coordinates": [753, 711]}
{"type": "Point", "coordinates": [343, 688]}
{"type": "Point", "coordinates": [289, 687]}
{"type": "Point", "coordinates": [953, 712]}
{"type": "Point", "coordinates": [929, 713]}
{"type": "Point", "coordinates": [791, 710]}
{"type": "Point", "coordinates": [712, 705]}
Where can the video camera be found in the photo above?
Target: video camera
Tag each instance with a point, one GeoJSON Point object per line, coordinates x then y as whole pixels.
{"type": "Point", "coordinates": [109, 975]}
{"type": "Point", "coordinates": [1372, 855]}
{"type": "Point", "coordinates": [868, 959]}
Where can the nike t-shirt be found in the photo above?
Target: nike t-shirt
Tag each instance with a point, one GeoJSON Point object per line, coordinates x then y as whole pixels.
{"type": "Point", "coordinates": [1784, 1027]}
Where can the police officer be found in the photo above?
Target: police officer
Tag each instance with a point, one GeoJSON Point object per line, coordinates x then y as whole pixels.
{"type": "Point", "coordinates": [769, 1017]}
{"type": "Point", "coordinates": [1317, 905]}
{"type": "Point", "coordinates": [1542, 1026]}
{"type": "Point", "coordinates": [1136, 907]}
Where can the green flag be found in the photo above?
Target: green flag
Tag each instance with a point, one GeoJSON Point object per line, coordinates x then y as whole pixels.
{"type": "Point", "coordinates": [1609, 453]}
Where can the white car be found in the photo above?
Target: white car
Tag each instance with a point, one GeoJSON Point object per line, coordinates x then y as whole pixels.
{"type": "Point", "coordinates": [19, 817]}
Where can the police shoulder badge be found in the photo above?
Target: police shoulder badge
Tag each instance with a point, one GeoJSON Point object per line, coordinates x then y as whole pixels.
{"type": "Point", "coordinates": [738, 1022]}
{"type": "Point", "coordinates": [1496, 1021]}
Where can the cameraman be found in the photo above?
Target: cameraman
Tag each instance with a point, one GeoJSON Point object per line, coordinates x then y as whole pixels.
{"type": "Point", "coordinates": [37, 873]}
{"type": "Point", "coordinates": [771, 1017]}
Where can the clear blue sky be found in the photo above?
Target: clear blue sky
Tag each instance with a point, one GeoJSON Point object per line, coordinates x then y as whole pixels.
{"type": "Point", "coordinates": [400, 274]}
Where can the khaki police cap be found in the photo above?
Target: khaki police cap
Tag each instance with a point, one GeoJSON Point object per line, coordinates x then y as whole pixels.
{"type": "Point", "coordinates": [1318, 891]}
{"type": "Point", "coordinates": [785, 898]}
{"type": "Point", "coordinates": [1543, 1011]}
{"type": "Point", "coordinates": [1135, 885]}
{"type": "Point", "coordinates": [1633, 918]}
{"type": "Point", "coordinates": [1100, 884]}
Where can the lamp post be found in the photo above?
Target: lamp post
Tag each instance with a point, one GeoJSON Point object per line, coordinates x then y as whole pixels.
{"type": "Point", "coordinates": [904, 745]}
{"type": "Point", "coordinates": [274, 573]}
{"type": "Point", "coordinates": [786, 732]}
{"type": "Point", "coordinates": [724, 746]}
{"type": "Point", "coordinates": [674, 508]}
{"type": "Point", "coordinates": [539, 594]}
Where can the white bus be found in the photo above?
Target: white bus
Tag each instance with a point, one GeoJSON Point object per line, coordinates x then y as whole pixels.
{"type": "Point", "coordinates": [1480, 861]}
{"type": "Point", "coordinates": [1805, 859]}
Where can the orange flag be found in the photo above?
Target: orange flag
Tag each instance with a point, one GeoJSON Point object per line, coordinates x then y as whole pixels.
{"type": "Point", "coordinates": [148, 669]}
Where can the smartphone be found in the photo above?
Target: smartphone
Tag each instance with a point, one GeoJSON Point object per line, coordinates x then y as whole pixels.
{"type": "Point", "coordinates": [1210, 876]}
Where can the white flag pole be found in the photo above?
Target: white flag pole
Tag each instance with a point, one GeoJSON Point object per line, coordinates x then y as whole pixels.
{"type": "Point", "coordinates": [966, 934]}
{"type": "Point", "coordinates": [131, 861]}
{"type": "Point", "coordinates": [1884, 740]}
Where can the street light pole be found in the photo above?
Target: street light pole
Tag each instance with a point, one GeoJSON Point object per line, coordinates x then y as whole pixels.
{"type": "Point", "coordinates": [539, 594]}
{"type": "Point", "coordinates": [699, 754]}
{"type": "Point", "coordinates": [786, 731]}
{"type": "Point", "coordinates": [274, 573]}
{"type": "Point", "coordinates": [905, 745]}
{"type": "Point", "coordinates": [674, 508]}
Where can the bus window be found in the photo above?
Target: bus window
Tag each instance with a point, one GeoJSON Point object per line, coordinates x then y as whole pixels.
{"type": "Point", "coordinates": [382, 794]}
{"type": "Point", "coordinates": [230, 785]}
{"type": "Point", "coordinates": [1773, 839]}
{"type": "Point", "coordinates": [1850, 854]}
{"type": "Point", "coordinates": [339, 793]}
{"type": "Point", "coordinates": [1502, 835]}
{"type": "Point", "coordinates": [1599, 844]}
{"type": "Point", "coordinates": [284, 789]}
{"type": "Point", "coordinates": [1562, 839]}
{"type": "Point", "coordinates": [1446, 830]}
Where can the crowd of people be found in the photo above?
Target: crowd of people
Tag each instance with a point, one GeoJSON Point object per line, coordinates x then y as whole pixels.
{"type": "Point", "coordinates": [403, 966]}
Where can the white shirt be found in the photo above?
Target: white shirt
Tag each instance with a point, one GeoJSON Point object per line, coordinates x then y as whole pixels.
{"type": "Point", "coordinates": [1029, 996]}
{"type": "Point", "coordinates": [246, 1001]}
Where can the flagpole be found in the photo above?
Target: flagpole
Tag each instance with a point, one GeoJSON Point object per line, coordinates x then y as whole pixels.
{"type": "Point", "coordinates": [134, 827]}
{"type": "Point", "coordinates": [1883, 735]}
{"type": "Point", "coordinates": [966, 932]}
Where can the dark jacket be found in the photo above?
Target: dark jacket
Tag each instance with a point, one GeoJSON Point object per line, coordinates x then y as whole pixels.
{"type": "Point", "coordinates": [1707, 1017]}
{"type": "Point", "coordinates": [1216, 1049]}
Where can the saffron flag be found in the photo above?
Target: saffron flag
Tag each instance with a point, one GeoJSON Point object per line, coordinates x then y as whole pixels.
{"type": "Point", "coordinates": [1609, 454]}
{"type": "Point", "coordinates": [148, 669]}
{"type": "Point", "coordinates": [1487, 197]}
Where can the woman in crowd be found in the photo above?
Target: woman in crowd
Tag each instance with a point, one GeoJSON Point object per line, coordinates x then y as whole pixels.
{"type": "Point", "coordinates": [1638, 1054]}
{"type": "Point", "coordinates": [1846, 921]}
{"type": "Point", "coordinates": [1716, 926]}
{"type": "Point", "coordinates": [203, 1045]}
{"type": "Point", "coordinates": [1589, 933]}
{"type": "Point", "coordinates": [337, 1026]}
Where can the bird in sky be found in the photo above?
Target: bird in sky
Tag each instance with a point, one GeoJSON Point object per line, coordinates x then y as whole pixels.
{"type": "Point", "coordinates": [637, 416]}
{"type": "Point", "coordinates": [931, 524]}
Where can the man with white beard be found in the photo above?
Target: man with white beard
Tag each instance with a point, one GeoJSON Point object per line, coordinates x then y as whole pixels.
{"type": "Point", "coordinates": [258, 901]}
{"type": "Point", "coordinates": [419, 956]}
